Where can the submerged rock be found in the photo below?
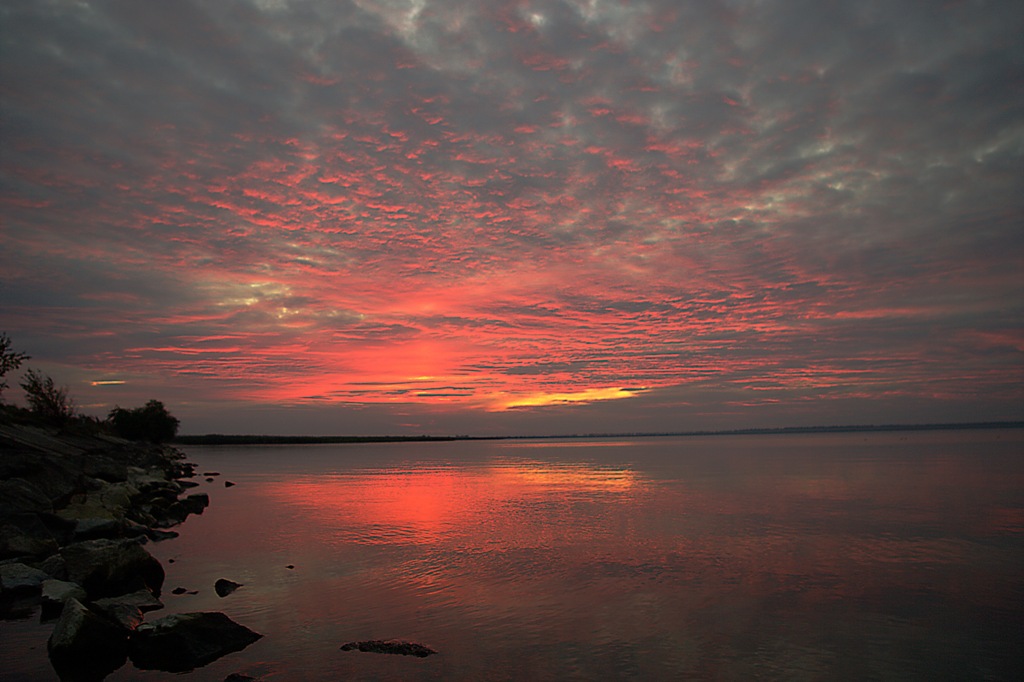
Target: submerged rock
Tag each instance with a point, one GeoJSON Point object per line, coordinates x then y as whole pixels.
{"type": "Point", "coordinates": [85, 645]}
{"type": "Point", "coordinates": [389, 646]}
{"type": "Point", "coordinates": [185, 641]}
{"type": "Point", "coordinates": [224, 587]}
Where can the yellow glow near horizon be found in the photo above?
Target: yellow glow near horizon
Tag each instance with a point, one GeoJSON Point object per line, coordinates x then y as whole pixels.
{"type": "Point", "coordinates": [587, 396]}
{"type": "Point", "coordinates": [108, 382]}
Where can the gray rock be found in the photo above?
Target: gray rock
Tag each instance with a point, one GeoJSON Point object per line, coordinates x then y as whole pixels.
{"type": "Point", "coordinates": [17, 577]}
{"type": "Point", "coordinates": [107, 568]}
{"type": "Point", "coordinates": [55, 593]}
{"type": "Point", "coordinates": [59, 591]}
{"type": "Point", "coordinates": [185, 641]}
{"type": "Point", "coordinates": [85, 644]}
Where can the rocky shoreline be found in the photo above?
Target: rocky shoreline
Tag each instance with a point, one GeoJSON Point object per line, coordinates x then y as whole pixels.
{"type": "Point", "coordinates": [76, 513]}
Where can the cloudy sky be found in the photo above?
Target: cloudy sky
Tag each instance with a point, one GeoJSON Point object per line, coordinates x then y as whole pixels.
{"type": "Point", "coordinates": [448, 216]}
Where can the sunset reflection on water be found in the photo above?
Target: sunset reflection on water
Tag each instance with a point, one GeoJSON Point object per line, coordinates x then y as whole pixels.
{"type": "Point", "coordinates": [814, 557]}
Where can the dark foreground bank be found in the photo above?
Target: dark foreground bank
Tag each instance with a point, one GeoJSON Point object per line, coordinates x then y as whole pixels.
{"type": "Point", "coordinates": [76, 513]}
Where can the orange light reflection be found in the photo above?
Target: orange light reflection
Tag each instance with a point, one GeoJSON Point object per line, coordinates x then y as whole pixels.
{"type": "Point", "coordinates": [426, 505]}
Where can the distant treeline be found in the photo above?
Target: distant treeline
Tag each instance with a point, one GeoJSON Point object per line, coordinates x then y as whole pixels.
{"type": "Point", "coordinates": [222, 439]}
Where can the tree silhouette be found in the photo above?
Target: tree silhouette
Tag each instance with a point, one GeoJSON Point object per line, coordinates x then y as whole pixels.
{"type": "Point", "coordinates": [46, 399]}
{"type": "Point", "coordinates": [151, 422]}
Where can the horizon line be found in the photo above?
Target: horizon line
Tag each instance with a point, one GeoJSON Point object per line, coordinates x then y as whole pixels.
{"type": "Point", "coordinates": [257, 439]}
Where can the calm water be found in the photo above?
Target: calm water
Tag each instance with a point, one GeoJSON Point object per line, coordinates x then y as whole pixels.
{"type": "Point", "coordinates": [842, 556]}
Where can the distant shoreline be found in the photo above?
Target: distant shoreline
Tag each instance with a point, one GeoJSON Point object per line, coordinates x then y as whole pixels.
{"type": "Point", "coordinates": [240, 439]}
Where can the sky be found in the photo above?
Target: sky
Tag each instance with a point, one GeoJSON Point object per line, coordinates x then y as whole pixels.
{"type": "Point", "coordinates": [520, 217]}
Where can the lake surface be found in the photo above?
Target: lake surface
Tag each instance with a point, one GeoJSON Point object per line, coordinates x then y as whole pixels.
{"type": "Point", "coordinates": [887, 556]}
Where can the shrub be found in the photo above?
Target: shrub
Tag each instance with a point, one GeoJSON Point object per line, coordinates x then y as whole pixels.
{"type": "Point", "coordinates": [9, 360]}
{"type": "Point", "coordinates": [151, 422]}
{"type": "Point", "coordinates": [46, 399]}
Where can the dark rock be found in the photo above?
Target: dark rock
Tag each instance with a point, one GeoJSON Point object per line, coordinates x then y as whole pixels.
{"type": "Point", "coordinates": [228, 484]}
{"type": "Point", "coordinates": [389, 646]}
{"type": "Point", "coordinates": [156, 534]}
{"type": "Point", "coordinates": [172, 511]}
{"type": "Point", "coordinates": [211, 473]}
{"type": "Point", "coordinates": [107, 568]}
{"type": "Point", "coordinates": [290, 566]}
{"type": "Point", "coordinates": [195, 504]}
{"type": "Point", "coordinates": [185, 641]}
{"type": "Point", "coordinates": [127, 616]}
{"type": "Point", "coordinates": [55, 567]}
{"type": "Point", "coordinates": [91, 529]}
{"type": "Point", "coordinates": [209, 480]}
{"type": "Point", "coordinates": [142, 600]}
{"type": "Point", "coordinates": [188, 484]}
{"type": "Point", "coordinates": [179, 590]}
{"type": "Point", "coordinates": [239, 677]}
{"type": "Point", "coordinates": [19, 578]}
{"type": "Point", "coordinates": [85, 645]}
{"type": "Point", "coordinates": [224, 587]}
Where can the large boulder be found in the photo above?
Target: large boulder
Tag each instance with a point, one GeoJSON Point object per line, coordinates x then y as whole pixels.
{"type": "Point", "coordinates": [106, 568]}
{"type": "Point", "coordinates": [18, 496]}
{"type": "Point", "coordinates": [85, 645]}
{"type": "Point", "coordinates": [185, 641]}
{"type": "Point", "coordinates": [110, 502]}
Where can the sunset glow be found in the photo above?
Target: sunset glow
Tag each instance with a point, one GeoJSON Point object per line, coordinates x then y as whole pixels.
{"type": "Point", "coordinates": [453, 216]}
